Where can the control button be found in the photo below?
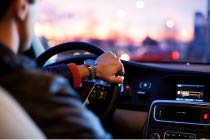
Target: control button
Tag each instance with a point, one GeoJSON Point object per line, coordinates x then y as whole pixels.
{"type": "Point", "coordinates": [174, 135]}
{"type": "Point", "coordinates": [185, 136]}
{"type": "Point", "coordinates": [167, 136]}
{"type": "Point", "coordinates": [127, 87]}
{"type": "Point", "coordinates": [180, 135]}
{"type": "Point", "coordinates": [141, 92]}
{"type": "Point", "coordinates": [159, 114]}
{"type": "Point", "coordinates": [205, 116]}
{"type": "Point", "coordinates": [155, 136]}
{"type": "Point", "coordinates": [177, 135]}
{"type": "Point", "coordinates": [126, 91]}
{"type": "Point", "coordinates": [99, 93]}
{"type": "Point", "coordinates": [145, 85]}
{"type": "Point", "coordinates": [191, 136]}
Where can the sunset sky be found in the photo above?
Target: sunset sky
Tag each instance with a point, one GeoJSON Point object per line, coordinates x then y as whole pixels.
{"type": "Point", "coordinates": [118, 19]}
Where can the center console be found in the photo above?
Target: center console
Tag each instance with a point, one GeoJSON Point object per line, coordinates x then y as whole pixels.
{"type": "Point", "coordinates": [173, 119]}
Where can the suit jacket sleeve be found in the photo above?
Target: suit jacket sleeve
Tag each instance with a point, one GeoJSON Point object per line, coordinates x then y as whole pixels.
{"type": "Point", "coordinates": [54, 105]}
{"type": "Point", "coordinates": [61, 69]}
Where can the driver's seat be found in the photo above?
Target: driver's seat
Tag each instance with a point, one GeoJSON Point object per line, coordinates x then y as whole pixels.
{"type": "Point", "coordinates": [15, 123]}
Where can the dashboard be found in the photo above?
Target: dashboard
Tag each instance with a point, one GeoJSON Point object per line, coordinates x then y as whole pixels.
{"type": "Point", "coordinates": [145, 83]}
{"type": "Point", "coordinates": [179, 88]}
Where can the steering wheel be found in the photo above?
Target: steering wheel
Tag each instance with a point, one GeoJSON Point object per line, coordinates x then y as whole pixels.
{"type": "Point", "coordinates": [102, 96]}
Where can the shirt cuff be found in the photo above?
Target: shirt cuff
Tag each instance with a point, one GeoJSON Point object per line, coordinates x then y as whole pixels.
{"type": "Point", "coordinates": [77, 81]}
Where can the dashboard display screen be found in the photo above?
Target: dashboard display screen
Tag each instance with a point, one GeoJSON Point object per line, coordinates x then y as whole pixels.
{"type": "Point", "coordinates": [189, 92]}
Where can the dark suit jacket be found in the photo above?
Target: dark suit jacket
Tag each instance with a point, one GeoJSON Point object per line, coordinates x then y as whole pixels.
{"type": "Point", "coordinates": [49, 99]}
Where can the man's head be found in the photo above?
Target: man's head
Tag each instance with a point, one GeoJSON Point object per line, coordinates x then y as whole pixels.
{"type": "Point", "coordinates": [18, 17]}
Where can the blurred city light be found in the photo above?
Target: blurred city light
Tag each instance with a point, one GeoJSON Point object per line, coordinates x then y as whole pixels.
{"type": "Point", "coordinates": [87, 52]}
{"type": "Point", "coordinates": [185, 35]}
{"type": "Point", "coordinates": [175, 55]}
{"type": "Point", "coordinates": [125, 57]}
{"type": "Point", "coordinates": [102, 32]}
{"type": "Point", "coordinates": [140, 4]}
{"type": "Point", "coordinates": [170, 23]}
{"type": "Point", "coordinates": [51, 43]}
{"type": "Point", "coordinates": [76, 53]}
{"type": "Point", "coordinates": [121, 13]}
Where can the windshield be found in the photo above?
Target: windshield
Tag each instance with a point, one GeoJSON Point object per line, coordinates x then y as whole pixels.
{"type": "Point", "coordinates": [136, 30]}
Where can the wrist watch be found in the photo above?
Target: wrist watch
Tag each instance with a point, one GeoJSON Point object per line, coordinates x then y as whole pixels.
{"type": "Point", "coordinates": [91, 65]}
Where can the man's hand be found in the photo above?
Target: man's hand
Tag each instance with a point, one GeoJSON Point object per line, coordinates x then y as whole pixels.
{"type": "Point", "coordinates": [108, 65]}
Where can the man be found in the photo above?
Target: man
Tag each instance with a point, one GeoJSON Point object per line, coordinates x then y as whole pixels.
{"type": "Point", "coordinates": [50, 101]}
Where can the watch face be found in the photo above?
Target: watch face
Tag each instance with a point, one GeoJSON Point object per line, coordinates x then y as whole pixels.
{"type": "Point", "coordinates": [90, 62]}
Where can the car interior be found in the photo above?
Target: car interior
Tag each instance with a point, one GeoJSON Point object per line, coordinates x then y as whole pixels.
{"type": "Point", "coordinates": [166, 90]}
{"type": "Point", "coordinates": [18, 127]}
{"type": "Point", "coordinates": [155, 100]}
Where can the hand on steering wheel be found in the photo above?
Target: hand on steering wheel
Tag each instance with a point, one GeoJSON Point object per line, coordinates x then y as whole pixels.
{"type": "Point", "coordinates": [105, 70]}
{"type": "Point", "coordinates": [108, 65]}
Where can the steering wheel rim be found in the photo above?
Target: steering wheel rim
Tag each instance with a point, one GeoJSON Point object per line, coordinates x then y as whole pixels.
{"type": "Point", "coordinates": [42, 59]}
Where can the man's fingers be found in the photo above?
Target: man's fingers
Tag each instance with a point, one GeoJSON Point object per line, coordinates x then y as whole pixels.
{"type": "Point", "coordinates": [116, 80]}
{"type": "Point", "coordinates": [122, 71]}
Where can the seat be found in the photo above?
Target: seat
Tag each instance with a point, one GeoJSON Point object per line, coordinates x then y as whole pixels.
{"type": "Point", "coordinates": [15, 123]}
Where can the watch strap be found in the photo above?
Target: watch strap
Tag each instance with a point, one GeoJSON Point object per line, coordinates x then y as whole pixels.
{"type": "Point", "coordinates": [92, 70]}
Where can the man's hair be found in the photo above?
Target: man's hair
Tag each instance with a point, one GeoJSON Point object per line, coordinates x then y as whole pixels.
{"type": "Point", "coordinates": [4, 5]}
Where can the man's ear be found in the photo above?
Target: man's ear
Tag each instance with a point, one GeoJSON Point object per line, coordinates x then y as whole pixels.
{"type": "Point", "coordinates": [21, 9]}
